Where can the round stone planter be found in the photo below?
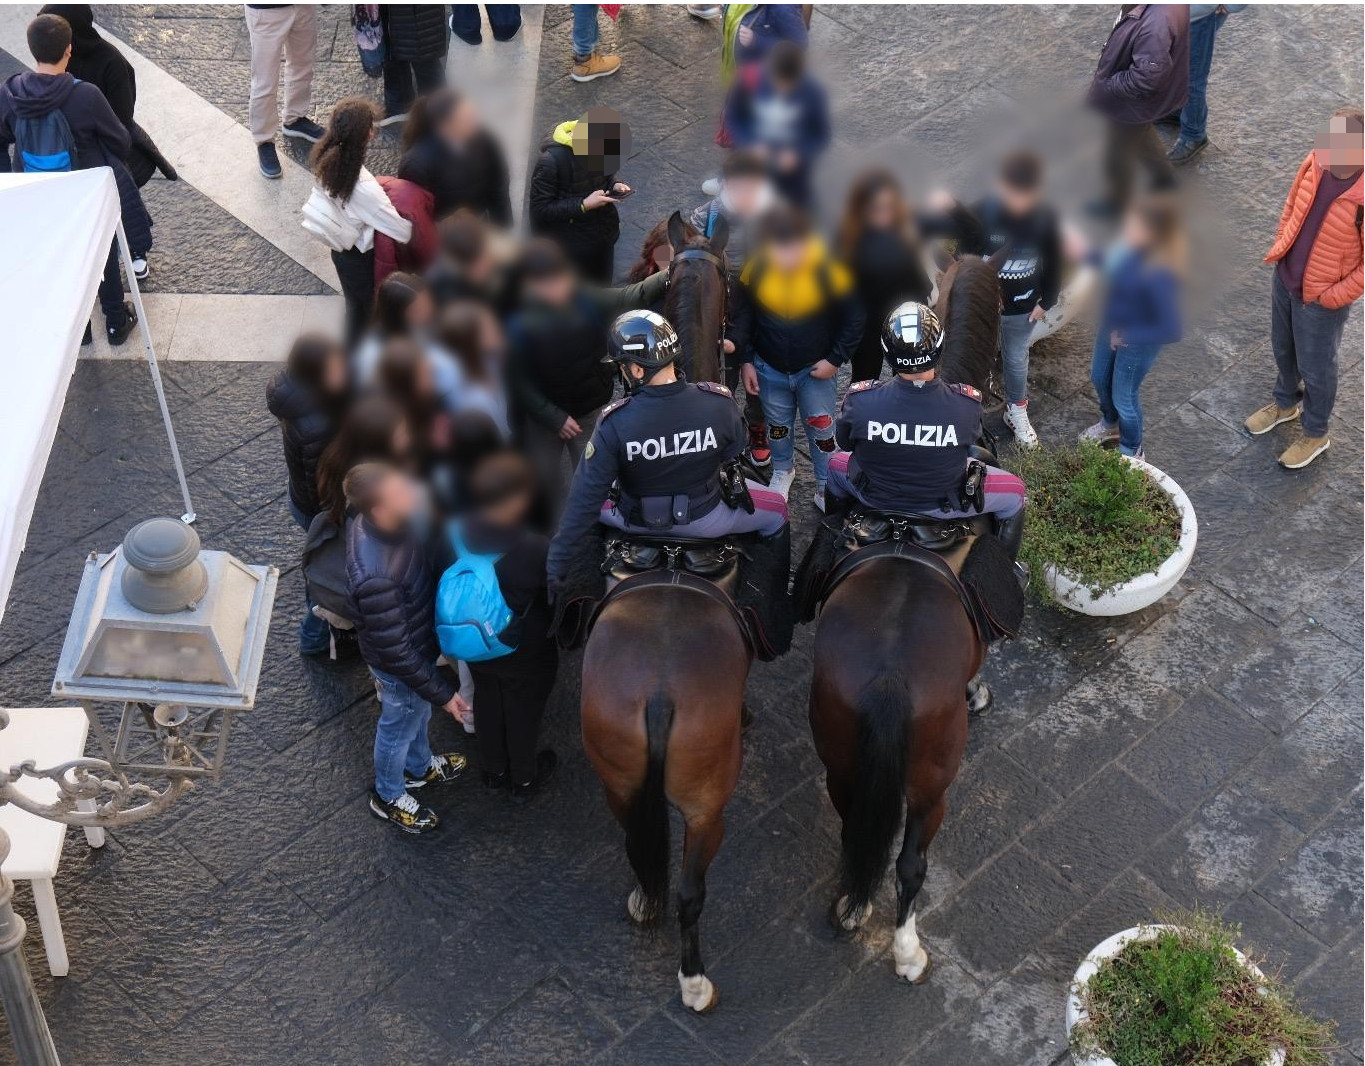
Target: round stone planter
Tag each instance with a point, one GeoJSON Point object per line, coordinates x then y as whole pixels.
{"type": "Point", "coordinates": [1075, 1013]}
{"type": "Point", "coordinates": [1145, 589]}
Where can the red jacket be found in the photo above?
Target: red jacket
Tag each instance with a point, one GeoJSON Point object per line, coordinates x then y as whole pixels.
{"type": "Point", "coordinates": [416, 205]}
{"type": "Point", "coordinates": [1333, 275]}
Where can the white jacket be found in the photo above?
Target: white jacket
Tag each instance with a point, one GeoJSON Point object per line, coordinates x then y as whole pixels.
{"type": "Point", "coordinates": [341, 226]}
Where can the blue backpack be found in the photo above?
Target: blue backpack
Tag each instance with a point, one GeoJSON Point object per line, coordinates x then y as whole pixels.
{"type": "Point", "coordinates": [471, 612]}
{"type": "Point", "coordinates": [44, 145]}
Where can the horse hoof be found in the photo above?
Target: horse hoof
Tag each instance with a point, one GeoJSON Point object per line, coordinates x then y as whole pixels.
{"type": "Point", "coordinates": [698, 993]}
{"type": "Point", "coordinates": [917, 970]}
{"type": "Point", "coordinates": [850, 925]}
{"type": "Point", "coordinates": [635, 906]}
{"type": "Point", "coordinates": [979, 697]}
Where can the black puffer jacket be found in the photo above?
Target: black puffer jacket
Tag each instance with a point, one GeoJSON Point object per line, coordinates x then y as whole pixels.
{"type": "Point", "coordinates": [307, 428]}
{"type": "Point", "coordinates": [415, 31]}
{"type": "Point", "coordinates": [392, 593]}
{"type": "Point", "coordinates": [559, 183]}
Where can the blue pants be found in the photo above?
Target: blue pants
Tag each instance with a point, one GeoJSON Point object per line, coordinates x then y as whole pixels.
{"type": "Point", "coordinates": [1305, 339]}
{"type": "Point", "coordinates": [1117, 374]}
{"type": "Point", "coordinates": [504, 19]}
{"type": "Point", "coordinates": [782, 395]}
{"type": "Point", "coordinates": [1194, 116]}
{"type": "Point", "coordinates": [400, 739]}
{"type": "Point", "coordinates": [315, 634]}
{"type": "Point", "coordinates": [1016, 331]}
{"type": "Point", "coordinates": [584, 30]}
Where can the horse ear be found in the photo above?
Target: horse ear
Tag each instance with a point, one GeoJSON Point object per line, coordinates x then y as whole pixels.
{"type": "Point", "coordinates": [996, 261]}
{"type": "Point", "coordinates": [720, 233]}
{"type": "Point", "coordinates": [677, 231]}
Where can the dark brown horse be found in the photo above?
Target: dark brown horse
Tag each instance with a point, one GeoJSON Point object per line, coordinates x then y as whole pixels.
{"type": "Point", "coordinates": [895, 662]}
{"type": "Point", "coordinates": [663, 680]}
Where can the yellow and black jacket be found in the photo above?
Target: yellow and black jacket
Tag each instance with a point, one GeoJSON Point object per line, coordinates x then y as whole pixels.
{"type": "Point", "coordinates": [792, 319]}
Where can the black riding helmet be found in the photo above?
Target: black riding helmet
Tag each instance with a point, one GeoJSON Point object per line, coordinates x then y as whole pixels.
{"type": "Point", "coordinates": [912, 338]}
{"type": "Point", "coordinates": [645, 339]}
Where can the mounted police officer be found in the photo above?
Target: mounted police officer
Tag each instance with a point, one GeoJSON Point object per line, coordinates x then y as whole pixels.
{"type": "Point", "coordinates": [670, 447]}
{"type": "Point", "coordinates": [906, 441]}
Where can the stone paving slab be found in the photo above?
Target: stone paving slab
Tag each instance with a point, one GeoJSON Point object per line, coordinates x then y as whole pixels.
{"type": "Point", "coordinates": [1206, 750]}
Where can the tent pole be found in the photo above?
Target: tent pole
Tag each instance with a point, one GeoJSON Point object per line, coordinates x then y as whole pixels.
{"type": "Point", "coordinates": [189, 515]}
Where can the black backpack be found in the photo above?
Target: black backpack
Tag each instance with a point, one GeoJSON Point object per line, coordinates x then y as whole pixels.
{"type": "Point", "coordinates": [324, 572]}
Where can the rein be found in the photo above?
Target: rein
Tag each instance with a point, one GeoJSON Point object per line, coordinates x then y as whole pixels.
{"type": "Point", "coordinates": [722, 267]}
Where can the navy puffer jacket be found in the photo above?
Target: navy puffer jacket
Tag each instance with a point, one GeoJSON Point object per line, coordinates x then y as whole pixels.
{"type": "Point", "coordinates": [306, 429]}
{"type": "Point", "coordinates": [392, 592]}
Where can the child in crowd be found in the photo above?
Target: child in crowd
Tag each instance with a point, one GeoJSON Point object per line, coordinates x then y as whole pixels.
{"type": "Point", "coordinates": [1140, 314]}
{"type": "Point", "coordinates": [785, 118]}
{"type": "Point", "coordinates": [511, 691]}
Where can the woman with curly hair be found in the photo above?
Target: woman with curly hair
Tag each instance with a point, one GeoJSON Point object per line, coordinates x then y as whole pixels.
{"type": "Point", "coordinates": [655, 255]}
{"type": "Point", "coordinates": [347, 205]}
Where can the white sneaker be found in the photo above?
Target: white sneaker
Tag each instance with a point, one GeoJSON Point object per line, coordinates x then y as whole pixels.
{"type": "Point", "coordinates": [711, 186]}
{"type": "Point", "coordinates": [1101, 432]}
{"type": "Point", "coordinates": [1016, 417]}
{"type": "Point", "coordinates": [707, 12]}
{"type": "Point", "coordinates": [782, 482]}
{"type": "Point", "coordinates": [140, 268]}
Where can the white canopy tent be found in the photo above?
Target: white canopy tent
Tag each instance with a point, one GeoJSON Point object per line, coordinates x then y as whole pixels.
{"type": "Point", "coordinates": [57, 231]}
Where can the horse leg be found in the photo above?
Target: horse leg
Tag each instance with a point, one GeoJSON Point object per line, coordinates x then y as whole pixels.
{"type": "Point", "coordinates": [912, 961]}
{"type": "Point", "coordinates": [701, 841]}
{"type": "Point", "coordinates": [979, 695]}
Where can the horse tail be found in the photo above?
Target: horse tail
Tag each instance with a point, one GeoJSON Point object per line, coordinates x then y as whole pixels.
{"type": "Point", "coordinates": [878, 796]}
{"type": "Point", "coordinates": [647, 818]}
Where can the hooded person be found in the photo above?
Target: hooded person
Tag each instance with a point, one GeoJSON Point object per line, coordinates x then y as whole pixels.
{"type": "Point", "coordinates": [97, 61]}
{"type": "Point", "coordinates": [574, 191]}
{"type": "Point", "coordinates": [94, 137]}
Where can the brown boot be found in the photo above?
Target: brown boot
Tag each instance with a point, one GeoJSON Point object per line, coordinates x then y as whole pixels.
{"type": "Point", "coordinates": [1303, 451]}
{"type": "Point", "coordinates": [595, 66]}
{"type": "Point", "coordinates": [1270, 416]}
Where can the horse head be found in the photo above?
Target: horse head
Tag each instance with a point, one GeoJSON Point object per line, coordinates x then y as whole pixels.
{"type": "Point", "coordinates": [969, 305]}
{"type": "Point", "coordinates": [695, 304]}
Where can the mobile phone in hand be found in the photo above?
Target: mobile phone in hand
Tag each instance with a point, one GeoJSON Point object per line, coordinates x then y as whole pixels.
{"type": "Point", "coordinates": [624, 191]}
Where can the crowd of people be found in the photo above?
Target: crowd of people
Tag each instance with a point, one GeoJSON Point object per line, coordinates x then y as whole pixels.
{"type": "Point", "coordinates": [491, 397]}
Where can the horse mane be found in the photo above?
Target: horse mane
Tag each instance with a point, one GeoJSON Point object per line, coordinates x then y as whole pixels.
{"type": "Point", "coordinates": [969, 308]}
{"type": "Point", "coordinates": [687, 306]}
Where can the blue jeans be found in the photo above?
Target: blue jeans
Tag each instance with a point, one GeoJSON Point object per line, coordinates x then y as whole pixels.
{"type": "Point", "coordinates": [1194, 117]}
{"type": "Point", "coordinates": [584, 30]}
{"type": "Point", "coordinates": [1016, 331]}
{"type": "Point", "coordinates": [1305, 339]}
{"type": "Point", "coordinates": [400, 739]}
{"type": "Point", "coordinates": [1117, 374]}
{"type": "Point", "coordinates": [315, 635]}
{"type": "Point", "coordinates": [503, 19]}
{"type": "Point", "coordinates": [781, 396]}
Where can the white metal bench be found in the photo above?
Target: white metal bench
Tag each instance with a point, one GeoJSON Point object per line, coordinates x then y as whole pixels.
{"type": "Point", "coordinates": [48, 736]}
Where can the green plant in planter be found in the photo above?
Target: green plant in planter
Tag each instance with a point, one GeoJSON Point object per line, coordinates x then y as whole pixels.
{"type": "Point", "coordinates": [1184, 999]}
{"type": "Point", "coordinates": [1094, 515]}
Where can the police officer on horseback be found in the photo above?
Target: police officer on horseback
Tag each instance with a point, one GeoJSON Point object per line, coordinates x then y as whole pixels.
{"type": "Point", "coordinates": [907, 441]}
{"type": "Point", "coordinates": [664, 459]}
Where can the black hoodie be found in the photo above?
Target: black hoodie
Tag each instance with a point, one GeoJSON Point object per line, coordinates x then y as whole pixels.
{"type": "Point", "coordinates": [100, 137]}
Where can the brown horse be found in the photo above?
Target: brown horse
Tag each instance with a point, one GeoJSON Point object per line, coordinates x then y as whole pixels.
{"type": "Point", "coordinates": [663, 680]}
{"type": "Point", "coordinates": [895, 662]}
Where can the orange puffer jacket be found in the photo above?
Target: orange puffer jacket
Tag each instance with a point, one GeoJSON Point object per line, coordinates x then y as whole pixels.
{"type": "Point", "coordinates": [1333, 275]}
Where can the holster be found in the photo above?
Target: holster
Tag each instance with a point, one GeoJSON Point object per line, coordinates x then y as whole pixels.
{"type": "Point", "coordinates": [734, 490]}
{"type": "Point", "coordinates": [973, 491]}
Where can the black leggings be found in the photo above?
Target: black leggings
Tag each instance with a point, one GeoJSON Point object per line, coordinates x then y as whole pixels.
{"type": "Point", "coordinates": [509, 700]}
{"type": "Point", "coordinates": [355, 271]}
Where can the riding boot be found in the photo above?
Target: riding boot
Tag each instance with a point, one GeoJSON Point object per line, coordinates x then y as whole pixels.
{"type": "Point", "coordinates": [818, 561]}
{"type": "Point", "coordinates": [1010, 533]}
{"type": "Point", "coordinates": [762, 594]}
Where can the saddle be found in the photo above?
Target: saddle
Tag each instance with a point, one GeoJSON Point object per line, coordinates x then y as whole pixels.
{"type": "Point", "coordinates": [960, 551]}
{"type": "Point", "coordinates": [711, 567]}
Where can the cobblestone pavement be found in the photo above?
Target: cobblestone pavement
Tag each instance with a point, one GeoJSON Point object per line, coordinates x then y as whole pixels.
{"type": "Point", "coordinates": [1206, 751]}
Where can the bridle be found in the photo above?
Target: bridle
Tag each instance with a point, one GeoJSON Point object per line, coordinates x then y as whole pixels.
{"type": "Point", "coordinates": [723, 268]}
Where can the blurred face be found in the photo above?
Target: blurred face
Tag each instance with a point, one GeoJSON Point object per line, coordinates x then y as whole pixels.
{"type": "Point", "coordinates": [1017, 201]}
{"type": "Point", "coordinates": [556, 290]}
{"type": "Point", "coordinates": [421, 311]}
{"type": "Point", "coordinates": [882, 210]}
{"type": "Point", "coordinates": [396, 500]}
{"type": "Point", "coordinates": [662, 256]}
{"type": "Point", "coordinates": [461, 123]}
{"type": "Point", "coordinates": [788, 255]}
{"type": "Point", "coordinates": [744, 194]}
{"type": "Point", "coordinates": [1339, 146]}
{"type": "Point", "coordinates": [335, 373]}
